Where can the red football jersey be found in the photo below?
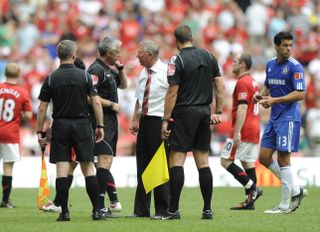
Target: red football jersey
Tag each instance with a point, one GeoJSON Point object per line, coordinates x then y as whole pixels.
{"type": "Point", "coordinates": [13, 100]}
{"type": "Point", "coordinates": [243, 92]}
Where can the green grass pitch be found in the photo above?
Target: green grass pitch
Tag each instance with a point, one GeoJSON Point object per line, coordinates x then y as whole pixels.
{"type": "Point", "coordinates": [26, 217]}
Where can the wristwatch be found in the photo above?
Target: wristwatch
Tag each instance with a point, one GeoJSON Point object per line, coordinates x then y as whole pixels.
{"type": "Point", "coordinates": [121, 67]}
{"type": "Point", "coordinates": [165, 119]}
{"type": "Point", "coordinates": [100, 126]}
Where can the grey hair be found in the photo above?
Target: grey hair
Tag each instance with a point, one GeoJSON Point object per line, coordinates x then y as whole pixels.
{"type": "Point", "coordinates": [108, 44]}
{"type": "Point", "coordinates": [150, 47]}
{"type": "Point", "coordinates": [66, 48]}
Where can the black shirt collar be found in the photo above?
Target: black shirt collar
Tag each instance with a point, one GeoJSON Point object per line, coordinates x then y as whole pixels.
{"type": "Point", "coordinates": [66, 65]}
{"type": "Point", "coordinates": [187, 48]}
{"type": "Point", "coordinates": [100, 62]}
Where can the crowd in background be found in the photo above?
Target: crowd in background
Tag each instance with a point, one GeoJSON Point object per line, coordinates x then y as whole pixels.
{"type": "Point", "coordinates": [31, 29]}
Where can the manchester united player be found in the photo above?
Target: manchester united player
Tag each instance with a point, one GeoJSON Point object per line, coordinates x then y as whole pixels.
{"type": "Point", "coordinates": [243, 141]}
{"type": "Point", "coordinates": [15, 105]}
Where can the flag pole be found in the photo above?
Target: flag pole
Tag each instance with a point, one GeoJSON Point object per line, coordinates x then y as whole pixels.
{"type": "Point", "coordinates": [44, 191]}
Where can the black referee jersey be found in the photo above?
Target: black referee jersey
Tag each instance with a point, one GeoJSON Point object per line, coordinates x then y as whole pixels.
{"type": "Point", "coordinates": [106, 80]}
{"type": "Point", "coordinates": [68, 88]}
{"type": "Point", "coordinates": [193, 69]}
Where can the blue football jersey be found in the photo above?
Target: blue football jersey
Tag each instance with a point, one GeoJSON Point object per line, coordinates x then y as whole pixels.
{"type": "Point", "coordinates": [282, 79]}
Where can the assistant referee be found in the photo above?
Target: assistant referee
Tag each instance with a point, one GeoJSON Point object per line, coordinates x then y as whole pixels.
{"type": "Point", "coordinates": [68, 88]}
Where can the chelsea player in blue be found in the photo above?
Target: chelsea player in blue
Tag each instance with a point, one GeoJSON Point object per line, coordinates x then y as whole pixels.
{"type": "Point", "coordinates": [283, 88]}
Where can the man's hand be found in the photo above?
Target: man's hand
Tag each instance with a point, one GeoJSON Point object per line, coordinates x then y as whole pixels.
{"type": "Point", "coordinates": [115, 106]}
{"type": "Point", "coordinates": [216, 119]}
{"type": "Point", "coordinates": [257, 97]}
{"type": "Point", "coordinates": [119, 65]}
{"type": "Point", "coordinates": [42, 140]}
{"type": "Point", "coordinates": [165, 133]}
{"type": "Point", "coordinates": [266, 102]}
{"type": "Point", "coordinates": [237, 140]}
{"type": "Point", "coordinates": [134, 127]}
{"type": "Point", "coordinates": [99, 135]}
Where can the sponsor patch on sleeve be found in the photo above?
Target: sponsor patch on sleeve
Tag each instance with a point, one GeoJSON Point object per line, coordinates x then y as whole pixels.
{"type": "Point", "coordinates": [171, 69]}
{"type": "Point", "coordinates": [242, 96]}
{"type": "Point", "coordinates": [95, 79]}
{"type": "Point", "coordinates": [298, 76]}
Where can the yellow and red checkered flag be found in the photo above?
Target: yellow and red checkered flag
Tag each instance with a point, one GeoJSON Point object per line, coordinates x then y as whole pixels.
{"type": "Point", "coordinates": [44, 191]}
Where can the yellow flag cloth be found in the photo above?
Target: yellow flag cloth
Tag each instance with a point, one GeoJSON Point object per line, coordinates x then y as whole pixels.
{"type": "Point", "coordinates": [44, 190]}
{"type": "Point", "coordinates": [156, 172]}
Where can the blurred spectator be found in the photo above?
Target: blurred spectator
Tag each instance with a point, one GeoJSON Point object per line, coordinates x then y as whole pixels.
{"type": "Point", "coordinates": [257, 18]}
{"type": "Point", "coordinates": [298, 22]}
{"type": "Point", "coordinates": [27, 34]}
{"type": "Point", "coordinates": [313, 128]}
{"type": "Point", "coordinates": [7, 35]}
{"type": "Point", "coordinates": [49, 38]}
{"type": "Point", "coordinates": [277, 23]}
{"type": "Point", "coordinates": [314, 66]}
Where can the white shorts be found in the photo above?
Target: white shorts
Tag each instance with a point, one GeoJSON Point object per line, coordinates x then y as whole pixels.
{"type": "Point", "coordinates": [9, 152]}
{"type": "Point", "coordinates": [247, 152]}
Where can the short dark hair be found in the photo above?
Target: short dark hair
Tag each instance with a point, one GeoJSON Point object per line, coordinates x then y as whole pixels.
{"type": "Point", "coordinates": [247, 60]}
{"type": "Point", "coordinates": [183, 33]}
{"type": "Point", "coordinates": [282, 35]}
{"type": "Point", "coordinates": [66, 48]}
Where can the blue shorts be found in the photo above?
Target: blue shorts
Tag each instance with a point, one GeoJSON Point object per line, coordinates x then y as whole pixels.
{"type": "Point", "coordinates": [281, 136]}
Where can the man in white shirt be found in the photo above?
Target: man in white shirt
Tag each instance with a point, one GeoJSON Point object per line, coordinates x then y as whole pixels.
{"type": "Point", "coordinates": [146, 123]}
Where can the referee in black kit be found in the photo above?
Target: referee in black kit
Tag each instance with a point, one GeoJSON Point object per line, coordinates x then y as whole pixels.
{"type": "Point", "coordinates": [107, 80]}
{"type": "Point", "coordinates": [192, 75]}
{"type": "Point", "coordinates": [68, 88]}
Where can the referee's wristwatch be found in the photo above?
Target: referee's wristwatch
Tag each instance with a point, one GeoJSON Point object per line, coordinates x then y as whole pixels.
{"type": "Point", "coordinates": [100, 126]}
{"type": "Point", "coordinates": [120, 67]}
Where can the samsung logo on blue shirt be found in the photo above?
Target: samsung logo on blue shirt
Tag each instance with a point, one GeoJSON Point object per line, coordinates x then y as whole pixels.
{"type": "Point", "coordinates": [276, 82]}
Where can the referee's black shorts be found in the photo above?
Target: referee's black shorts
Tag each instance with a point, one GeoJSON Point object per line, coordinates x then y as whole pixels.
{"type": "Point", "coordinates": [68, 133]}
{"type": "Point", "coordinates": [191, 128]}
{"type": "Point", "coordinates": [108, 146]}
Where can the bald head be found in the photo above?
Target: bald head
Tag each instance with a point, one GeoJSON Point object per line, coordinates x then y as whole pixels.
{"type": "Point", "coordinates": [12, 70]}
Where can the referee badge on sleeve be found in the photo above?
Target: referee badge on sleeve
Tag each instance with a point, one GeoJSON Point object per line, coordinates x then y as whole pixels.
{"type": "Point", "coordinates": [95, 79]}
{"type": "Point", "coordinates": [171, 69]}
{"type": "Point", "coordinates": [172, 66]}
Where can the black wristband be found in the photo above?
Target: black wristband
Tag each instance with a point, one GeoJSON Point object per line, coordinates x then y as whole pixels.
{"type": "Point", "coordinates": [165, 119]}
{"type": "Point", "coordinates": [100, 126]}
{"type": "Point", "coordinates": [121, 67]}
{"type": "Point", "coordinates": [218, 112]}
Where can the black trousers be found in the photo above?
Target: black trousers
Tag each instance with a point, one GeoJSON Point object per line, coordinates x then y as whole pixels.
{"type": "Point", "coordinates": [148, 142]}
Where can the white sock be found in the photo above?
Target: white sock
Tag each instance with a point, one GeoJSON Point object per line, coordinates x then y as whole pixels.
{"type": "Point", "coordinates": [275, 169]}
{"type": "Point", "coordinates": [295, 189]}
{"type": "Point", "coordinates": [286, 183]}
